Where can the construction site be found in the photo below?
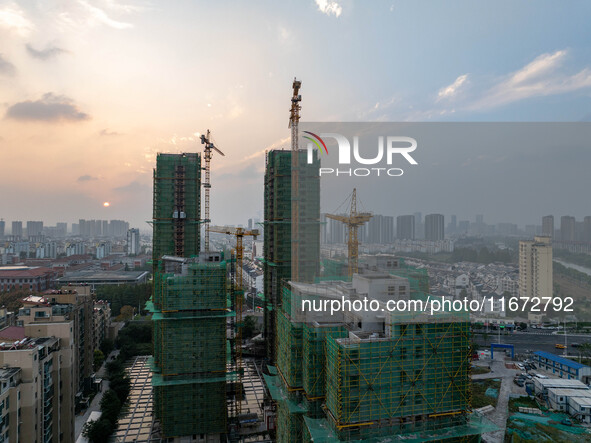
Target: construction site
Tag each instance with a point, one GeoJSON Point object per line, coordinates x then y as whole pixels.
{"type": "Point", "coordinates": [353, 375]}
{"type": "Point", "coordinates": [350, 375]}
{"type": "Point", "coordinates": [359, 376]}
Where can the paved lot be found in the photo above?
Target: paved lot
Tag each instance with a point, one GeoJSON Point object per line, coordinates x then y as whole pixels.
{"type": "Point", "coordinates": [501, 412]}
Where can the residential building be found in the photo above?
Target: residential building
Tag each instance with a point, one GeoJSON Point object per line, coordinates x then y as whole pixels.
{"type": "Point", "coordinates": [75, 304]}
{"type": "Point", "coordinates": [17, 229]}
{"type": "Point", "coordinates": [548, 226]}
{"type": "Point", "coordinates": [405, 227]}
{"type": "Point", "coordinates": [535, 268]}
{"type": "Point", "coordinates": [102, 321]}
{"type": "Point", "coordinates": [34, 228]}
{"type": "Point", "coordinates": [133, 241]}
{"type": "Point", "coordinates": [567, 228]}
{"type": "Point", "coordinates": [38, 358]}
{"type": "Point", "coordinates": [434, 227]}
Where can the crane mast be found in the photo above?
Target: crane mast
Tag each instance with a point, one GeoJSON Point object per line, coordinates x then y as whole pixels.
{"type": "Point", "coordinates": [239, 233]}
{"type": "Point", "coordinates": [207, 154]}
{"type": "Point", "coordinates": [294, 120]}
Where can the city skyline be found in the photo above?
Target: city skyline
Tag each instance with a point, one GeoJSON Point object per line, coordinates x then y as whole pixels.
{"type": "Point", "coordinates": [92, 92]}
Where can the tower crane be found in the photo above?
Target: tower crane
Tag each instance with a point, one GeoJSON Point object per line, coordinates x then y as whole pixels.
{"type": "Point", "coordinates": [294, 120]}
{"type": "Point", "coordinates": [239, 233]}
{"type": "Point", "coordinates": [207, 154]}
{"type": "Point", "coordinates": [353, 221]}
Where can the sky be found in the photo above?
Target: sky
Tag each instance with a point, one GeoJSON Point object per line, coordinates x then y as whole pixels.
{"type": "Point", "coordinates": [90, 91]}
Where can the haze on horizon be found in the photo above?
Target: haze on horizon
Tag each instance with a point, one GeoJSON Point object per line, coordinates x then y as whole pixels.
{"type": "Point", "coordinates": [92, 90]}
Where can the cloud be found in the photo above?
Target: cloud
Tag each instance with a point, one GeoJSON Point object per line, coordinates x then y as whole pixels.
{"type": "Point", "coordinates": [6, 68]}
{"type": "Point", "coordinates": [452, 90]}
{"type": "Point", "coordinates": [279, 144]}
{"type": "Point", "coordinates": [100, 16]}
{"type": "Point", "coordinates": [86, 178]}
{"type": "Point", "coordinates": [133, 187]}
{"type": "Point", "coordinates": [50, 108]}
{"type": "Point", "coordinates": [539, 78]}
{"type": "Point", "coordinates": [107, 133]}
{"type": "Point", "coordinates": [329, 7]}
{"type": "Point", "coordinates": [45, 54]}
{"type": "Point", "coordinates": [12, 17]}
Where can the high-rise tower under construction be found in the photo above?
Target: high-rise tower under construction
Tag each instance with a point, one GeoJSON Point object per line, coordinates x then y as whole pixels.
{"type": "Point", "coordinates": [189, 308]}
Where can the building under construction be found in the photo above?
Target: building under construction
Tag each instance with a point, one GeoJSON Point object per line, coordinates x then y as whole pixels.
{"type": "Point", "coordinates": [189, 308]}
{"type": "Point", "coordinates": [359, 375]}
{"type": "Point", "coordinates": [278, 231]}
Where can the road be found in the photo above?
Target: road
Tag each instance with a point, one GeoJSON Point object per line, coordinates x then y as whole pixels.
{"type": "Point", "coordinates": [80, 420]}
{"type": "Point", "coordinates": [533, 341]}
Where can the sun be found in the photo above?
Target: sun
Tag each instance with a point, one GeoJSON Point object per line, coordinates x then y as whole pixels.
{"type": "Point", "coordinates": [106, 204]}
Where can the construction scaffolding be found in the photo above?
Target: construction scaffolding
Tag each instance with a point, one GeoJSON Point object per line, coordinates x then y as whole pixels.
{"type": "Point", "coordinates": [279, 237]}
{"type": "Point", "coordinates": [314, 378]}
{"type": "Point", "coordinates": [190, 311]}
{"type": "Point", "coordinates": [176, 205]}
{"type": "Point", "coordinates": [419, 374]}
{"type": "Point", "coordinates": [335, 382]}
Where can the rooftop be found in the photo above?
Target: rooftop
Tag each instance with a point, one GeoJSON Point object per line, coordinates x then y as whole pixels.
{"type": "Point", "coordinates": [100, 275]}
{"type": "Point", "coordinates": [558, 359]}
{"type": "Point", "coordinates": [561, 383]}
{"type": "Point", "coordinates": [569, 392]}
{"type": "Point", "coordinates": [12, 333]}
{"type": "Point", "coordinates": [23, 272]}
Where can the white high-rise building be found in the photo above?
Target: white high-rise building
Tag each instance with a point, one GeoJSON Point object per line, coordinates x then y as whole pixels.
{"type": "Point", "coordinates": [535, 267]}
{"type": "Point", "coordinates": [133, 241]}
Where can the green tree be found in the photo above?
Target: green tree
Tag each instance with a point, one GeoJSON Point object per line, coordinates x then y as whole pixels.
{"type": "Point", "coordinates": [126, 313]}
{"type": "Point", "coordinates": [107, 346]}
{"type": "Point", "coordinates": [12, 300]}
{"type": "Point", "coordinates": [120, 385]}
{"type": "Point", "coordinates": [110, 406]}
{"type": "Point", "coordinates": [98, 431]}
{"type": "Point", "coordinates": [249, 329]}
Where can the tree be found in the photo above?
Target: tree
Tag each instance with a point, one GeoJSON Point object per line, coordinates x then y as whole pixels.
{"type": "Point", "coordinates": [585, 350]}
{"type": "Point", "coordinates": [126, 313]}
{"type": "Point", "coordinates": [107, 346]}
{"type": "Point", "coordinates": [99, 358]}
{"type": "Point", "coordinates": [250, 327]}
{"type": "Point", "coordinates": [110, 406]}
{"type": "Point", "coordinates": [120, 384]}
{"type": "Point", "coordinates": [12, 300]}
{"type": "Point", "coordinates": [98, 431]}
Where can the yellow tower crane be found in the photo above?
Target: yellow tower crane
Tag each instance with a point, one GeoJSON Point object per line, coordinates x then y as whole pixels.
{"type": "Point", "coordinates": [353, 221]}
{"type": "Point", "coordinates": [207, 154]}
{"type": "Point", "coordinates": [239, 233]}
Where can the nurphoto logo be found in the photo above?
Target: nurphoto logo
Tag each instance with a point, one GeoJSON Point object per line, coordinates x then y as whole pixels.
{"type": "Point", "coordinates": [395, 145]}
